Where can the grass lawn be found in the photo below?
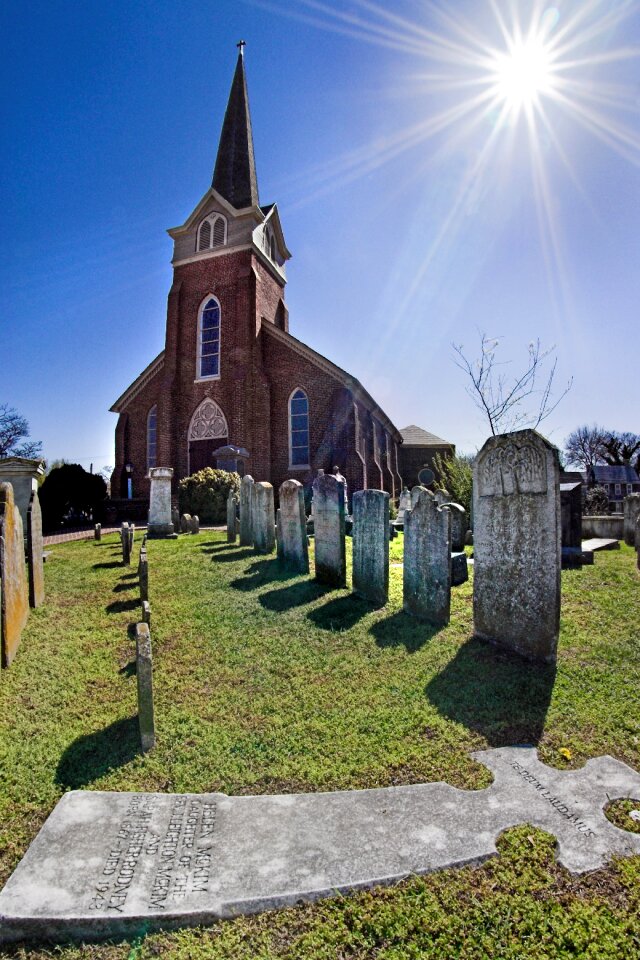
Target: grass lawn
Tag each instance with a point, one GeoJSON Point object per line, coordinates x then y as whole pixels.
{"type": "Point", "coordinates": [268, 683]}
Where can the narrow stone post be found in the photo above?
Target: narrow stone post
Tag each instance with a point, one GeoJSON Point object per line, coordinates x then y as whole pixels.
{"type": "Point", "coordinates": [516, 536]}
{"type": "Point", "coordinates": [160, 515]}
{"type": "Point", "coordinates": [638, 543]}
{"type": "Point", "coordinates": [246, 503]}
{"type": "Point", "coordinates": [144, 675]}
{"type": "Point", "coordinates": [293, 549]}
{"type": "Point", "coordinates": [232, 525]}
{"type": "Point", "coordinates": [329, 534]}
{"type": "Point", "coordinates": [14, 592]}
{"type": "Point", "coordinates": [143, 575]}
{"type": "Point", "coordinates": [132, 537]}
{"type": "Point", "coordinates": [35, 547]}
{"type": "Point", "coordinates": [631, 514]}
{"type": "Point", "coordinates": [371, 545]}
{"type": "Point", "coordinates": [97, 532]}
{"type": "Point", "coordinates": [146, 613]}
{"type": "Point", "coordinates": [427, 561]}
{"type": "Point", "coordinates": [126, 544]}
{"type": "Point", "coordinates": [264, 520]}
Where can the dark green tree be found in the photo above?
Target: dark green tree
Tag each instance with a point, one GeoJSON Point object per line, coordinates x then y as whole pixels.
{"type": "Point", "coordinates": [71, 490]}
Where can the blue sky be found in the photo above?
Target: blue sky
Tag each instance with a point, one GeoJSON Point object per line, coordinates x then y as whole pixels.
{"type": "Point", "coordinates": [410, 229]}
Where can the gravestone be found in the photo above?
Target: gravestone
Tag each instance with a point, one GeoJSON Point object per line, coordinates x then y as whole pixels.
{"type": "Point", "coordinates": [185, 523]}
{"type": "Point", "coordinates": [459, 569]}
{"type": "Point", "coordinates": [441, 497]}
{"type": "Point", "coordinates": [110, 865]}
{"type": "Point", "coordinates": [329, 531]}
{"type": "Point", "coordinates": [126, 544]}
{"type": "Point", "coordinates": [175, 519]}
{"type": "Point", "coordinates": [24, 475]}
{"type": "Point", "coordinates": [458, 526]}
{"type": "Point", "coordinates": [246, 503]}
{"type": "Point", "coordinates": [143, 575]}
{"type": "Point", "coordinates": [144, 675]}
{"type": "Point", "coordinates": [631, 514]}
{"type": "Point", "coordinates": [35, 551]}
{"type": "Point", "coordinates": [146, 613]}
{"type": "Point", "coordinates": [232, 526]}
{"type": "Point", "coordinates": [371, 545]}
{"type": "Point", "coordinates": [638, 543]}
{"type": "Point", "coordinates": [97, 532]}
{"type": "Point", "coordinates": [279, 551]}
{"type": "Point", "coordinates": [415, 494]}
{"type": "Point", "coordinates": [427, 561]}
{"type": "Point", "coordinates": [195, 524]}
{"type": "Point", "coordinates": [264, 520]}
{"type": "Point", "coordinates": [571, 524]}
{"type": "Point", "coordinates": [293, 550]}
{"type": "Point", "coordinates": [404, 504]}
{"type": "Point", "coordinates": [161, 523]}
{"type": "Point", "coordinates": [516, 592]}
{"type": "Point", "coordinates": [14, 592]}
{"type": "Point", "coordinates": [132, 536]}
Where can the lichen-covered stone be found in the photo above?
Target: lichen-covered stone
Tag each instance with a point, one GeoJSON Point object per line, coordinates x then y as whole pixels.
{"type": "Point", "coordinates": [35, 550]}
{"type": "Point", "coordinates": [246, 507]}
{"type": "Point", "coordinates": [144, 675]}
{"type": "Point", "coordinates": [185, 523]}
{"type": "Point", "coordinates": [329, 531]}
{"type": "Point", "coordinates": [427, 561]}
{"type": "Point", "coordinates": [126, 544]}
{"type": "Point", "coordinates": [160, 512]}
{"type": "Point", "coordinates": [14, 592]}
{"type": "Point", "coordinates": [371, 545]}
{"type": "Point", "coordinates": [143, 575]}
{"type": "Point", "coordinates": [293, 550]}
{"type": "Point", "coordinates": [516, 593]}
{"type": "Point", "coordinates": [264, 519]}
{"type": "Point", "coordinates": [232, 526]}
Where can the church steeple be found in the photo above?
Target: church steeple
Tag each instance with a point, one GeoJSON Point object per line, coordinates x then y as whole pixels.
{"type": "Point", "coordinates": [234, 176]}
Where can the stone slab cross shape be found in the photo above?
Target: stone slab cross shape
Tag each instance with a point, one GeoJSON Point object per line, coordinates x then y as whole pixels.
{"type": "Point", "coordinates": [111, 864]}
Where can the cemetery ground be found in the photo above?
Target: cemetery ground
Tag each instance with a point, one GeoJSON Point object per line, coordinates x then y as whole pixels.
{"type": "Point", "coordinates": [269, 683]}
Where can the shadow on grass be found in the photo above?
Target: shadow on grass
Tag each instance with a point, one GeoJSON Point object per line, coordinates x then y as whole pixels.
{"type": "Point", "coordinates": [339, 614]}
{"type": "Point", "coordinates": [128, 585]}
{"type": "Point", "coordinates": [400, 629]}
{"type": "Point", "coordinates": [295, 595]}
{"type": "Point", "coordinates": [259, 573]}
{"type": "Point", "coordinates": [235, 553]}
{"type": "Point", "coordinates": [494, 692]}
{"type": "Point", "coordinates": [129, 669]}
{"type": "Point", "coordinates": [92, 756]}
{"type": "Point", "coordinates": [107, 566]}
{"type": "Point", "coordinates": [119, 606]}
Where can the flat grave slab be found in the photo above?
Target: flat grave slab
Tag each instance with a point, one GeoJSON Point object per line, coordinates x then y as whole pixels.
{"type": "Point", "coordinates": [600, 543]}
{"type": "Point", "coordinates": [113, 864]}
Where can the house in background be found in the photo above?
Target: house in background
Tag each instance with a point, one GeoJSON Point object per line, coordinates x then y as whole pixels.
{"type": "Point", "coordinates": [619, 482]}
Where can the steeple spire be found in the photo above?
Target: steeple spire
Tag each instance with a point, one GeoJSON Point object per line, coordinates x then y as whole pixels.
{"type": "Point", "coordinates": [234, 176]}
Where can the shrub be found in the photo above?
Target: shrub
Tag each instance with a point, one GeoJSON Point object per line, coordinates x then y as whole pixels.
{"type": "Point", "coordinates": [456, 474]}
{"type": "Point", "coordinates": [205, 494]}
{"type": "Point", "coordinates": [596, 502]}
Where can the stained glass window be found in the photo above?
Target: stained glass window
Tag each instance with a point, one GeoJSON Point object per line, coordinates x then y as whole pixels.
{"type": "Point", "coordinates": [152, 437]}
{"type": "Point", "coordinates": [299, 428]}
{"type": "Point", "coordinates": [210, 339]}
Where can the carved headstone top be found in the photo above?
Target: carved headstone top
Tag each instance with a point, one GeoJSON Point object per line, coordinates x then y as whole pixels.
{"type": "Point", "coordinates": [512, 463]}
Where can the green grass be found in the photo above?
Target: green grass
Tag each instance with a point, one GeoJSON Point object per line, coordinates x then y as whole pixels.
{"type": "Point", "coordinates": [270, 683]}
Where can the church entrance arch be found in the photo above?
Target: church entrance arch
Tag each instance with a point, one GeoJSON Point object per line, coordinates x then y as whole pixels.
{"type": "Point", "coordinates": [207, 431]}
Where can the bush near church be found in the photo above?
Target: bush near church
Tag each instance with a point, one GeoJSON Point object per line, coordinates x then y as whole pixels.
{"type": "Point", "coordinates": [69, 493]}
{"type": "Point", "coordinates": [205, 494]}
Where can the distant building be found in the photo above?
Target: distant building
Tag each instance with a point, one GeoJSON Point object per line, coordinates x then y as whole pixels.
{"type": "Point", "coordinates": [418, 452]}
{"type": "Point", "coordinates": [619, 482]}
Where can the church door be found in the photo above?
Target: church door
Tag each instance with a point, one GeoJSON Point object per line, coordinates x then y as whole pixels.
{"type": "Point", "coordinates": [208, 431]}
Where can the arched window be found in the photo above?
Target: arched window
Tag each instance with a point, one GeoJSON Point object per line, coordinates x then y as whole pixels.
{"type": "Point", "coordinates": [212, 232]}
{"type": "Point", "coordinates": [152, 437]}
{"type": "Point", "coordinates": [209, 340]}
{"type": "Point", "coordinates": [298, 429]}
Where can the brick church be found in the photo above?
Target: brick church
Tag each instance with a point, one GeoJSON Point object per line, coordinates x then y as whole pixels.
{"type": "Point", "coordinates": [231, 377]}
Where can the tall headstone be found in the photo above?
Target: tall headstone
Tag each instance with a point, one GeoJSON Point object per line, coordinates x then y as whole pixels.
{"type": "Point", "coordinates": [264, 518]}
{"type": "Point", "coordinates": [97, 532]}
{"type": "Point", "coordinates": [232, 526]}
{"type": "Point", "coordinates": [371, 545]}
{"type": "Point", "coordinates": [23, 474]}
{"type": "Point", "coordinates": [427, 561]}
{"type": "Point", "coordinates": [143, 575]}
{"type": "Point", "coordinates": [571, 523]}
{"type": "Point", "coordinates": [293, 548]}
{"type": "Point", "coordinates": [160, 514]}
{"type": "Point", "coordinates": [246, 503]}
{"type": "Point", "coordinates": [631, 514]}
{"type": "Point", "coordinates": [132, 537]}
{"type": "Point", "coordinates": [329, 532]}
{"type": "Point", "coordinates": [144, 675]}
{"type": "Point", "coordinates": [14, 592]}
{"type": "Point", "coordinates": [404, 504]}
{"type": "Point", "coordinates": [517, 536]}
{"type": "Point", "coordinates": [458, 525]}
{"type": "Point", "coordinates": [126, 544]}
{"type": "Point", "coordinates": [35, 545]}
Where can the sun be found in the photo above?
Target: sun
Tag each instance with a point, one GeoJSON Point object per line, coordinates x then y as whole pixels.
{"type": "Point", "coordinates": [522, 74]}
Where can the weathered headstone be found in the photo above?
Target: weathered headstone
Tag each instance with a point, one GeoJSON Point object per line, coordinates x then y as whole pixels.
{"type": "Point", "coordinates": [458, 526]}
{"type": "Point", "coordinates": [195, 524]}
{"type": "Point", "coordinates": [146, 613]}
{"type": "Point", "coordinates": [571, 524]}
{"type": "Point", "coordinates": [279, 550]}
{"type": "Point", "coordinates": [415, 494]}
{"type": "Point", "coordinates": [246, 503]}
{"type": "Point", "coordinates": [232, 526]}
{"type": "Point", "coordinates": [459, 569]}
{"type": "Point", "coordinates": [441, 497]}
{"type": "Point", "coordinates": [404, 504]}
{"type": "Point", "coordinates": [24, 475]}
{"type": "Point", "coordinates": [35, 550]}
{"type": "Point", "coordinates": [143, 575]}
{"type": "Point", "coordinates": [371, 545]}
{"type": "Point", "coordinates": [175, 519]}
{"type": "Point", "coordinates": [160, 513]}
{"type": "Point", "coordinates": [144, 675]}
{"type": "Point", "coordinates": [97, 532]}
{"type": "Point", "coordinates": [264, 520]}
{"type": "Point", "coordinates": [329, 532]}
{"type": "Point", "coordinates": [293, 548]}
{"type": "Point", "coordinates": [14, 592]}
{"type": "Point", "coordinates": [631, 514]}
{"type": "Point", "coordinates": [126, 544]}
{"type": "Point", "coordinates": [132, 536]}
{"type": "Point", "coordinates": [516, 592]}
{"type": "Point", "coordinates": [427, 561]}
{"type": "Point", "coordinates": [185, 523]}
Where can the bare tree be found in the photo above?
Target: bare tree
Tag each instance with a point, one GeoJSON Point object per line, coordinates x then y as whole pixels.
{"type": "Point", "coordinates": [619, 449]}
{"type": "Point", "coordinates": [13, 428]}
{"type": "Point", "coordinates": [511, 402]}
{"type": "Point", "coordinates": [584, 446]}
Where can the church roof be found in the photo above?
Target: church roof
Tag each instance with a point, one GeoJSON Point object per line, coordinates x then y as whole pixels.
{"type": "Point", "coordinates": [138, 384]}
{"type": "Point", "coordinates": [234, 176]}
{"type": "Point", "coordinates": [413, 436]}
